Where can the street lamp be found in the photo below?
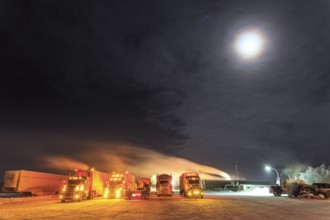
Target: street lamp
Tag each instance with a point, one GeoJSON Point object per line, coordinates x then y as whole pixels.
{"type": "Point", "coordinates": [268, 168]}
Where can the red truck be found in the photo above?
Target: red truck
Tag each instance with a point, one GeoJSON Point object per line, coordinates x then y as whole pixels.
{"type": "Point", "coordinates": [119, 183]}
{"type": "Point", "coordinates": [191, 185]}
{"type": "Point", "coordinates": [164, 185]}
{"type": "Point", "coordinates": [85, 184]}
{"type": "Point", "coordinates": [142, 190]}
{"type": "Point", "coordinates": [31, 183]}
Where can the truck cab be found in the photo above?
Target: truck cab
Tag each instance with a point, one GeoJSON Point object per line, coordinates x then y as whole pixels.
{"type": "Point", "coordinates": [164, 185]}
{"type": "Point", "coordinates": [77, 188]}
{"type": "Point", "coordinates": [191, 185]}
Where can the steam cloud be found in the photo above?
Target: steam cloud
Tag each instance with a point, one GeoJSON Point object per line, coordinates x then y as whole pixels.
{"type": "Point", "coordinates": [64, 163]}
{"type": "Point", "coordinates": [139, 161]}
{"type": "Point", "coordinates": [293, 170]}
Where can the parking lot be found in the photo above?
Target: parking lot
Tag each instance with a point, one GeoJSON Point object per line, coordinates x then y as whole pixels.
{"type": "Point", "coordinates": [213, 206]}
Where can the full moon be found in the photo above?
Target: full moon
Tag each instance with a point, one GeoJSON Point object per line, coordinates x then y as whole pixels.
{"type": "Point", "coordinates": [249, 44]}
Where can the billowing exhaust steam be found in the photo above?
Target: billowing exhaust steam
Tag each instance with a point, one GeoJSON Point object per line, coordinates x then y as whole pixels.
{"type": "Point", "coordinates": [64, 163]}
{"type": "Point", "coordinates": [292, 171]}
{"type": "Point", "coordinates": [142, 162]}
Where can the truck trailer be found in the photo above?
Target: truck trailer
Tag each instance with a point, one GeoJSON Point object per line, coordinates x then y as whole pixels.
{"type": "Point", "coordinates": [31, 183]}
{"type": "Point", "coordinates": [191, 185]}
{"type": "Point", "coordinates": [119, 183]}
{"type": "Point", "coordinates": [164, 185]}
{"type": "Point", "coordinates": [85, 184]}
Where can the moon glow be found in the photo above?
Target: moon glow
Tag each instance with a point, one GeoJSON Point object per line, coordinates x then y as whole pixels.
{"type": "Point", "coordinates": [249, 44]}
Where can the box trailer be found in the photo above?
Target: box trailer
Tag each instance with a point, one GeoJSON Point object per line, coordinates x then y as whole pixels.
{"type": "Point", "coordinates": [31, 183]}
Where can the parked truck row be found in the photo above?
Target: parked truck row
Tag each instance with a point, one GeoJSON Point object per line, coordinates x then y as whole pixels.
{"type": "Point", "coordinates": [87, 184]}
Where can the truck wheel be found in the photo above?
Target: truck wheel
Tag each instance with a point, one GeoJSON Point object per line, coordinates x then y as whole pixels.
{"type": "Point", "coordinates": [202, 197]}
{"type": "Point", "coordinates": [63, 200]}
{"type": "Point", "coordinates": [323, 195]}
{"type": "Point", "coordinates": [147, 196]}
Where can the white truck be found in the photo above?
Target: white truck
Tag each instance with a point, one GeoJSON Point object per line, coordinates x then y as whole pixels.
{"type": "Point", "coordinates": [31, 183]}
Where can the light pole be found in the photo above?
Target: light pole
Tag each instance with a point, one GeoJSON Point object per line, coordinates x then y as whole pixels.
{"type": "Point", "coordinates": [278, 181]}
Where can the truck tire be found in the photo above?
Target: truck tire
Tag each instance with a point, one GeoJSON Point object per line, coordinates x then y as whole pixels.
{"type": "Point", "coordinates": [277, 194]}
{"type": "Point", "coordinates": [323, 195]}
{"type": "Point", "coordinates": [91, 195]}
{"type": "Point", "coordinates": [128, 196]}
{"type": "Point", "coordinates": [63, 200]}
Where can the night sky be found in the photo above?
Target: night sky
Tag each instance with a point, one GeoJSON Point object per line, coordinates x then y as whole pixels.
{"type": "Point", "coordinates": [84, 79]}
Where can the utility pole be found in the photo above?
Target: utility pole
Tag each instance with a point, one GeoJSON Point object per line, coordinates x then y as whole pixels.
{"type": "Point", "coordinates": [236, 172]}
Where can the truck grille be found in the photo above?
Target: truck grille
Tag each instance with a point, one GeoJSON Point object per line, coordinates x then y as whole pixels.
{"type": "Point", "coordinates": [70, 190]}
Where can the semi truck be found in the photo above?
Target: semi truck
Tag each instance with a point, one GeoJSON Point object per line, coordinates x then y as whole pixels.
{"type": "Point", "coordinates": [31, 183]}
{"type": "Point", "coordinates": [119, 183]}
{"type": "Point", "coordinates": [191, 185]}
{"type": "Point", "coordinates": [142, 190]}
{"type": "Point", "coordinates": [85, 184]}
{"type": "Point", "coordinates": [164, 185]}
{"type": "Point", "coordinates": [298, 188]}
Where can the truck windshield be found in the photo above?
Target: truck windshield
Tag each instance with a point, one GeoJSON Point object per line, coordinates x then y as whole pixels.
{"type": "Point", "coordinates": [74, 182]}
{"type": "Point", "coordinates": [163, 182]}
{"type": "Point", "coordinates": [193, 180]}
{"type": "Point", "coordinates": [115, 183]}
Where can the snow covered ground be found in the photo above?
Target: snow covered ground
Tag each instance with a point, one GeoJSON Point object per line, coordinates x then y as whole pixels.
{"type": "Point", "coordinates": [227, 206]}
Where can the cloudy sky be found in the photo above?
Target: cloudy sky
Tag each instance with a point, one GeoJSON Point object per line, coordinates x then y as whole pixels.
{"type": "Point", "coordinates": [128, 77]}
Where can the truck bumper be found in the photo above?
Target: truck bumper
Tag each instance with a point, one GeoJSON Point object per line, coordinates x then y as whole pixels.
{"type": "Point", "coordinates": [76, 197]}
{"type": "Point", "coordinates": [195, 193]}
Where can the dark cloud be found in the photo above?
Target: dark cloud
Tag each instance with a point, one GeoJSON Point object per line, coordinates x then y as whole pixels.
{"type": "Point", "coordinates": [164, 76]}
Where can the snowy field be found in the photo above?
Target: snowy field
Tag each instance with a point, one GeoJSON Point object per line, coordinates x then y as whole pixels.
{"type": "Point", "coordinates": [227, 206]}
